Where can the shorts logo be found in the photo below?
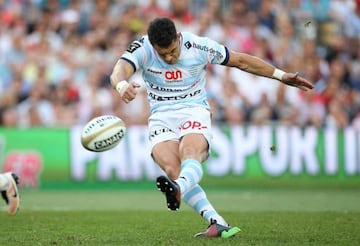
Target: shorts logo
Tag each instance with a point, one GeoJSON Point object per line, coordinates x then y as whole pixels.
{"type": "Point", "coordinates": [158, 132]}
{"type": "Point", "coordinates": [192, 125]}
{"type": "Point", "coordinates": [173, 75]}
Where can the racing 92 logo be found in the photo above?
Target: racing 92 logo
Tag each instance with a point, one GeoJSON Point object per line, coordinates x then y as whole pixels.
{"type": "Point", "coordinates": [173, 75]}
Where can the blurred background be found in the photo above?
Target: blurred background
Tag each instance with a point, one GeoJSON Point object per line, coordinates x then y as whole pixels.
{"type": "Point", "coordinates": [56, 57]}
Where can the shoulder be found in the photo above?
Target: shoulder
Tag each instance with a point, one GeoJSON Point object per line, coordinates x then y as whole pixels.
{"type": "Point", "coordinates": [142, 42]}
{"type": "Point", "coordinates": [193, 42]}
{"type": "Point", "coordinates": [138, 52]}
{"type": "Point", "coordinates": [206, 48]}
{"type": "Point", "coordinates": [139, 49]}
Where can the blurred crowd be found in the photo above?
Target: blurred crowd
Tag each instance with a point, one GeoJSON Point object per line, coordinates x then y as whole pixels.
{"type": "Point", "coordinates": [56, 57]}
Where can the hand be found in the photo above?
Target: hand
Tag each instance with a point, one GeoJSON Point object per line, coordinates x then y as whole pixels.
{"type": "Point", "coordinates": [293, 79]}
{"type": "Point", "coordinates": [129, 92]}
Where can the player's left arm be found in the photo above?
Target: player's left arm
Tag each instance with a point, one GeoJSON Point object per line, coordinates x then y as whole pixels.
{"type": "Point", "coordinates": [257, 66]}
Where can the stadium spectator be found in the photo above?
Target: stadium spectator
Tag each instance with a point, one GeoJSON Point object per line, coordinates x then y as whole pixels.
{"type": "Point", "coordinates": [287, 44]}
{"type": "Point", "coordinates": [354, 70]}
{"type": "Point", "coordinates": [318, 10]}
{"type": "Point", "coordinates": [214, 9]}
{"type": "Point", "coordinates": [238, 9]}
{"type": "Point", "coordinates": [37, 110]}
{"type": "Point", "coordinates": [152, 10]}
{"type": "Point", "coordinates": [65, 97]}
{"type": "Point", "coordinates": [312, 110]}
{"type": "Point", "coordinates": [338, 116]}
{"type": "Point", "coordinates": [233, 102]}
{"type": "Point", "coordinates": [267, 14]}
{"type": "Point", "coordinates": [283, 111]}
{"type": "Point", "coordinates": [262, 113]}
{"type": "Point", "coordinates": [9, 117]}
{"type": "Point", "coordinates": [181, 13]}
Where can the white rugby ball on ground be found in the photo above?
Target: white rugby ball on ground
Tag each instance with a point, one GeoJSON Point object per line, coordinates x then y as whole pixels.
{"type": "Point", "coordinates": [103, 133]}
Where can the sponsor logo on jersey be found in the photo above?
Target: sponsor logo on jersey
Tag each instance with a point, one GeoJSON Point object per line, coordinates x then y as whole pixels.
{"type": "Point", "coordinates": [201, 47]}
{"type": "Point", "coordinates": [173, 75]}
{"type": "Point", "coordinates": [160, 88]}
{"type": "Point", "coordinates": [153, 71]}
{"type": "Point", "coordinates": [169, 98]}
{"type": "Point", "coordinates": [215, 53]}
{"type": "Point", "coordinates": [188, 45]}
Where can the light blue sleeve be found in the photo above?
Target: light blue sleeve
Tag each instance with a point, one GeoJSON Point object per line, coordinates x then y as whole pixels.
{"type": "Point", "coordinates": [215, 52]}
{"type": "Point", "coordinates": [136, 53]}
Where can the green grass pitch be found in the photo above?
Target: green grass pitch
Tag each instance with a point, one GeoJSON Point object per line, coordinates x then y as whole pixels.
{"type": "Point", "coordinates": [265, 216]}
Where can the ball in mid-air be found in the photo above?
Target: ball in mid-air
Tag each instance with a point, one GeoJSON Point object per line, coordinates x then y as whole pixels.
{"type": "Point", "coordinates": [103, 133]}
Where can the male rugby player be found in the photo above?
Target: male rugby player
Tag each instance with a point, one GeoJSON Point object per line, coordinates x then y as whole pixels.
{"type": "Point", "coordinates": [173, 66]}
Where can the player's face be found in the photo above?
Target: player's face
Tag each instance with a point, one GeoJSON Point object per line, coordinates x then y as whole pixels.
{"type": "Point", "coordinates": [171, 53]}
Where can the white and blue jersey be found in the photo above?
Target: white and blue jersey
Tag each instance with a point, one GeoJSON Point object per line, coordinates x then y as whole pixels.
{"type": "Point", "coordinates": [174, 86]}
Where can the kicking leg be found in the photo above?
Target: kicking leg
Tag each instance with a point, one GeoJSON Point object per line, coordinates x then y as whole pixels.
{"type": "Point", "coordinates": [197, 199]}
{"type": "Point", "coordinates": [218, 227]}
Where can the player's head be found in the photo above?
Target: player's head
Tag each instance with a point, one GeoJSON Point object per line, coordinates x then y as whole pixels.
{"type": "Point", "coordinates": [165, 39]}
{"type": "Point", "coordinates": [162, 32]}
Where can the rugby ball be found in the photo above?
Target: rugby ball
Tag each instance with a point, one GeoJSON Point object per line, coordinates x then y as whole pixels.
{"type": "Point", "coordinates": [103, 133]}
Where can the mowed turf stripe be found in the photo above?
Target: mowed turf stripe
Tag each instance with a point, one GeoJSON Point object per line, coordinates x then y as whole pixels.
{"type": "Point", "coordinates": [305, 200]}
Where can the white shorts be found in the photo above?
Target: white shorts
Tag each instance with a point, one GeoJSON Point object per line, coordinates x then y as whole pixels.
{"type": "Point", "coordinates": [174, 124]}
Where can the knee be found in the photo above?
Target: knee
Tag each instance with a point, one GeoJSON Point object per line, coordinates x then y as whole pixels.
{"type": "Point", "coordinates": [171, 166]}
{"type": "Point", "coordinates": [189, 152]}
{"type": "Point", "coordinates": [172, 171]}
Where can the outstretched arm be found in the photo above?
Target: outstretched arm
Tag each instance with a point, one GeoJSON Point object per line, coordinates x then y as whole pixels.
{"type": "Point", "coordinates": [121, 73]}
{"type": "Point", "coordinates": [257, 66]}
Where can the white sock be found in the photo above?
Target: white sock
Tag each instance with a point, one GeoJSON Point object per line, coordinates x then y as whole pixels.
{"type": "Point", "coordinates": [190, 174]}
{"type": "Point", "coordinates": [196, 198]}
{"type": "Point", "coordinates": [4, 182]}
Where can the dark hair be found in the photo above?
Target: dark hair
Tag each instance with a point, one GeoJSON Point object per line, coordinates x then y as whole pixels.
{"type": "Point", "coordinates": [162, 32]}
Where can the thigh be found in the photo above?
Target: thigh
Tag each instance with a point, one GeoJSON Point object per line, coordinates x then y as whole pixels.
{"type": "Point", "coordinates": [166, 155]}
{"type": "Point", "coordinates": [196, 121]}
{"type": "Point", "coordinates": [162, 128]}
{"type": "Point", "coordinates": [195, 134]}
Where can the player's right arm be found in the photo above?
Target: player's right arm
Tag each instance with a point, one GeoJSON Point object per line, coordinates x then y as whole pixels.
{"type": "Point", "coordinates": [121, 73]}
